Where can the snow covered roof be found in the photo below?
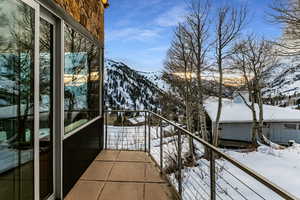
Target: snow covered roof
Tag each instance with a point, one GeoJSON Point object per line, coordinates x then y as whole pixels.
{"type": "Point", "coordinates": [137, 120]}
{"type": "Point", "coordinates": [11, 111]}
{"type": "Point", "coordinates": [7, 112]}
{"type": "Point", "coordinates": [239, 112]}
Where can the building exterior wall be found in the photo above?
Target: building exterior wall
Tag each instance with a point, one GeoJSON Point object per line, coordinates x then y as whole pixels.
{"type": "Point", "coordinates": [79, 151]}
{"type": "Point", "coordinates": [239, 132]}
{"type": "Point", "coordinates": [276, 132]}
{"type": "Point", "coordinates": [89, 13]}
{"type": "Point", "coordinates": [60, 70]}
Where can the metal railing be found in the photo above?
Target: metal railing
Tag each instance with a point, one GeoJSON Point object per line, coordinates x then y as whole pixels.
{"type": "Point", "coordinates": [206, 173]}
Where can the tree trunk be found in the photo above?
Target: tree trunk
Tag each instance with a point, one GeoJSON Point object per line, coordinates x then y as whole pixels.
{"type": "Point", "coordinates": [216, 128]}
{"type": "Point", "coordinates": [261, 116]}
{"type": "Point", "coordinates": [188, 113]}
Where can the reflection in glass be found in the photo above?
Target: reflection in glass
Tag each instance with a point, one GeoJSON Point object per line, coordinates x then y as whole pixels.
{"type": "Point", "coordinates": [81, 79]}
{"type": "Point", "coordinates": [16, 100]}
{"type": "Point", "coordinates": [46, 109]}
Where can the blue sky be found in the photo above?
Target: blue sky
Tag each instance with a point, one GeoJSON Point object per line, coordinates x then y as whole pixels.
{"type": "Point", "coordinates": [139, 32]}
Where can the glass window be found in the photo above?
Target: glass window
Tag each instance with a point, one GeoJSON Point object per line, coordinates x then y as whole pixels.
{"type": "Point", "coordinates": [46, 109]}
{"type": "Point", "coordinates": [81, 80]}
{"type": "Point", "coordinates": [16, 100]}
{"type": "Point", "coordinates": [290, 126]}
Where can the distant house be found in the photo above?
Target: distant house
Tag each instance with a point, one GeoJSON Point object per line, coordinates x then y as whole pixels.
{"type": "Point", "coordinates": [280, 124]}
{"type": "Point", "coordinates": [137, 121]}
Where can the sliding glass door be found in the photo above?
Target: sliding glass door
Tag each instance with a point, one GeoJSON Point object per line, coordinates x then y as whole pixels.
{"type": "Point", "coordinates": [46, 128]}
{"type": "Point", "coordinates": [17, 98]}
{"type": "Point", "coordinates": [30, 66]}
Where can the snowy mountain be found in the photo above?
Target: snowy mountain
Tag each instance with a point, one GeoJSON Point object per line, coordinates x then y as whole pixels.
{"type": "Point", "coordinates": [126, 88]}
{"type": "Point", "coordinates": [156, 78]}
{"type": "Point", "coordinates": [285, 80]}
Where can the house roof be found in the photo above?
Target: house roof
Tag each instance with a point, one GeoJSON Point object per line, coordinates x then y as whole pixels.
{"type": "Point", "coordinates": [137, 120]}
{"type": "Point", "coordinates": [233, 112]}
{"type": "Point", "coordinates": [7, 112]}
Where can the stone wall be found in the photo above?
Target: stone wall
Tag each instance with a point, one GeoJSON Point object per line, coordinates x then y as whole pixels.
{"type": "Point", "coordinates": [89, 13]}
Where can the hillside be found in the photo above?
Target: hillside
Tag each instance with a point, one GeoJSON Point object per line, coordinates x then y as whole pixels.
{"type": "Point", "coordinates": [156, 78]}
{"type": "Point", "coordinates": [126, 88]}
{"type": "Point", "coordinates": [285, 80]}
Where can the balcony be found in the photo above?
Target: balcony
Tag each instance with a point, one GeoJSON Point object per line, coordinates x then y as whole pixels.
{"type": "Point", "coordinates": [126, 175]}
{"type": "Point", "coordinates": [146, 156]}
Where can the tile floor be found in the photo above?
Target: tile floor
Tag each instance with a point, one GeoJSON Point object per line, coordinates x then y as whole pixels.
{"type": "Point", "coordinates": [122, 175]}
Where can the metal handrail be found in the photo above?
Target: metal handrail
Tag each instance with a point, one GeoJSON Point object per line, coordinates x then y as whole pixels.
{"type": "Point", "coordinates": [275, 188]}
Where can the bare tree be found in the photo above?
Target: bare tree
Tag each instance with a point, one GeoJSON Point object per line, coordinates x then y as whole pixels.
{"type": "Point", "coordinates": [198, 40]}
{"type": "Point", "coordinates": [178, 73]}
{"type": "Point", "coordinates": [229, 23]}
{"type": "Point", "coordinates": [253, 58]}
{"type": "Point", "coordinates": [287, 13]}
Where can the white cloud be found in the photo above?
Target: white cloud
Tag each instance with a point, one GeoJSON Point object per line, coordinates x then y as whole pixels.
{"type": "Point", "coordinates": [172, 17]}
{"type": "Point", "coordinates": [159, 49]}
{"type": "Point", "coordinates": [132, 34]}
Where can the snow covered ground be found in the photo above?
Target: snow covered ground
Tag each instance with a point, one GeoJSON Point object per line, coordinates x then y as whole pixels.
{"type": "Point", "coordinates": [281, 167]}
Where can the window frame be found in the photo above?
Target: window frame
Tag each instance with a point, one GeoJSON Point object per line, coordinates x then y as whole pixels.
{"type": "Point", "coordinates": [63, 18]}
{"type": "Point", "coordinates": [286, 126]}
{"type": "Point", "coordinates": [47, 16]}
{"type": "Point", "coordinates": [100, 53]}
{"type": "Point", "coordinates": [60, 19]}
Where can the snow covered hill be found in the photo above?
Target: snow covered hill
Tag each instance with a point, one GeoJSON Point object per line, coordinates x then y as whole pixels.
{"type": "Point", "coordinates": [126, 88]}
{"type": "Point", "coordinates": [156, 78]}
{"type": "Point", "coordinates": [285, 80]}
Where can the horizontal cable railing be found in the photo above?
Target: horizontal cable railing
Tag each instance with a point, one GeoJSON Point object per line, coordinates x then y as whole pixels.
{"type": "Point", "coordinates": [194, 167]}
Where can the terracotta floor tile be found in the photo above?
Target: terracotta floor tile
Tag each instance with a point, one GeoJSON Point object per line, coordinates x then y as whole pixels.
{"type": "Point", "coordinates": [128, 171]}
{"type": "Point", "coordinates": [122, 175]}
{"type": "Point", "coordinates": [122, 191]}
{"type": "Point", "coordinates": [153, 174]}
{"type": "Point", "coordinates": [133, 156]}
{"type": "Point", "coordinates": [108, 156]}
{"type": "Point", "coordinates": [84, 190]}
{"type": "Point", "coordinates": [98, 171]}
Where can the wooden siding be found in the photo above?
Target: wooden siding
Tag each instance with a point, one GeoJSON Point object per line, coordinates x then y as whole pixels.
{"type": "Point", "coordinates": [89, 13]}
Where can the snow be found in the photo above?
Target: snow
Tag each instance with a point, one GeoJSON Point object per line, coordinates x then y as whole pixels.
{"type": "Point", "coordinates": [156, 78]}
{"type": "Point", "coordinates": [7, 85]}
{"type": "Point", "coordinates": [279, 166]}
{"type": "Point", "coordinates": [239, 112]}
{"type": "Point", "coordinates": [11, 111]}
{"type": "Point", "coordinates": [285, 78]}
{"type": "Point", "coordinates": [137, 120]}
{"type": "Point", "coordinates": [129, 138]}
{"type": "Point", "coordinates": [126, 88]}
{"type": "Point", "coordinates": [9, 158]}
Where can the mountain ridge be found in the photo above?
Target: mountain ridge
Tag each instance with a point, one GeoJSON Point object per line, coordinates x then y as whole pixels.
{"type": "Point", "coordinates": [126, 88]}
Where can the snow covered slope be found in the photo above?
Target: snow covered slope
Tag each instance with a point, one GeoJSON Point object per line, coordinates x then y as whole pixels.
{"type": "Point", "coordinates": [156, 78]}
{"type": "Point", "coordinates": [126, 88]}
{"type": "Point", "coordinates": [285, 79]}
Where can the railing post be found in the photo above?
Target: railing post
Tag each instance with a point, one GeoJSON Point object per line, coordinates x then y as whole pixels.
{"type": "Point", "coordinates": [145, 132]}
{"type": "Point", "coordinates": [105, 145]}
{"type": "Point", "coordinates": [161, 146]}
{"type": "Point", "coordinates": [179, 163]}
{"type": "Point", "coordinates": [212, 176]}
{"type": "Point", "coordinates": [123, 129]}
{"type": "Point", "coordinates": [149, 134]}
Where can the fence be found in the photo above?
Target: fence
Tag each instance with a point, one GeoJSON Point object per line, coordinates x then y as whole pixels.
{"type": "Point", "coordinates": [195, 168]}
